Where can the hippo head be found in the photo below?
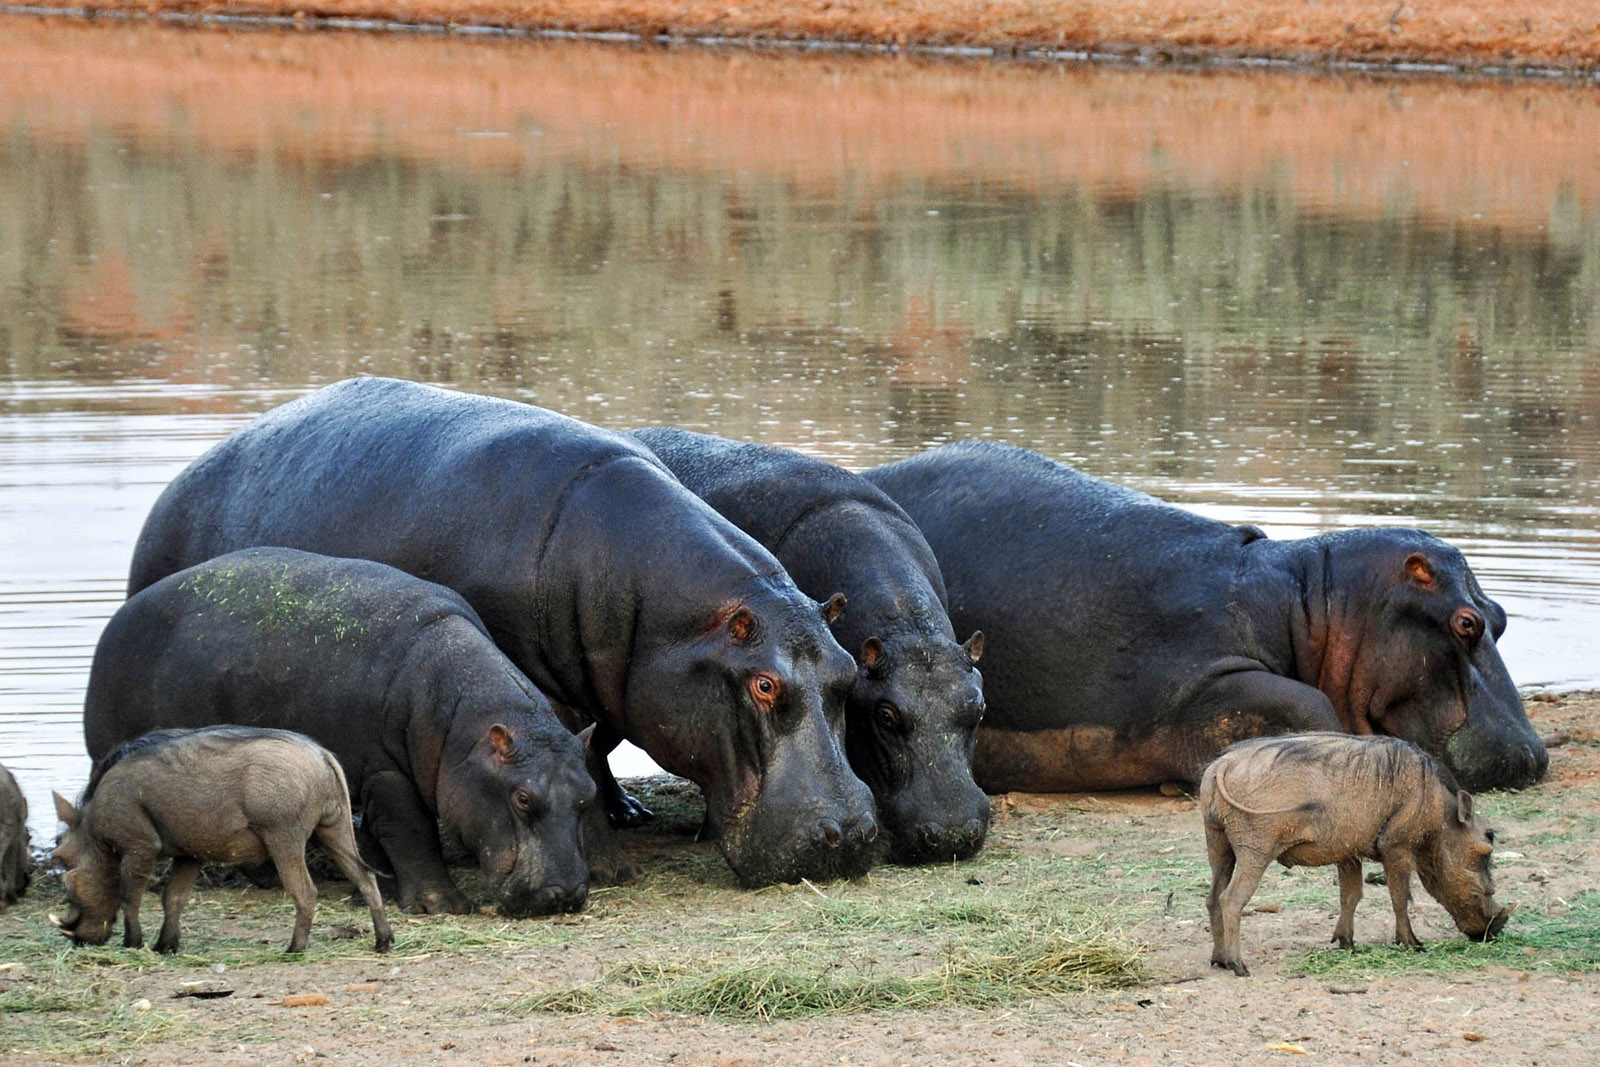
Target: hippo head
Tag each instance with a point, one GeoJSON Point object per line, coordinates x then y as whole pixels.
{"type": "Point", "coordinates": [750, 705]}
{"type": "Point", "coordinates": [910, 732]}
{"type": "Point", "coordinates": [515, 802]}
{"type": "Point", "coordinates": [1456, 870]}
{"type": "Point", "coordinates": [1411, 652]}
{"type": "Point", "coordinates": [90, 880]}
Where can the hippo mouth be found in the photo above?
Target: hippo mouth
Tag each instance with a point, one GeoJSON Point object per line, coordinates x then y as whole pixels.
{"type": "Point", "coordinates": [545, 900]}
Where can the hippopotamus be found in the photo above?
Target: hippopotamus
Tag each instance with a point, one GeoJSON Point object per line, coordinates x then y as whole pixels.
{"type": "Point", "coordinates": [913, 713]}
{"type": "Point", "coordinates": [620, 594]}
{"type": "Point", "coordinates": [1130, 641]}
{"type": "Point", "coordinates": [435, 728]}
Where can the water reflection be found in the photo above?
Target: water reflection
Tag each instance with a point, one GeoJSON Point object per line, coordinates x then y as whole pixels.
{"type": "Point", "coordinates": [1291, 300]}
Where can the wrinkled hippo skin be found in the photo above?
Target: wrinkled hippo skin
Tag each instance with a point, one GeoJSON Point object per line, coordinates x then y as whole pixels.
{"type": "Point", "coordinates": [1130, 641]}
{"type": "Point", "coordinates": [913, 714]}
{"type": "Point", "coordinates": [621, 595]}
{"type": "Point", "coordinates": [16, 866]}
{"type": "Point", "coordinates": [434, 727]}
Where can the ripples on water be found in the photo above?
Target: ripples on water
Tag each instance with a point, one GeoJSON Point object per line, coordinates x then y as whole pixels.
{"type": "Point", "coordinates": [1300, 302]}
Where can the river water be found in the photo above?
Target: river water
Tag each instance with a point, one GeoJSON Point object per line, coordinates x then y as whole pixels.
{"type": "Point", "coordinates": [1295, 300]}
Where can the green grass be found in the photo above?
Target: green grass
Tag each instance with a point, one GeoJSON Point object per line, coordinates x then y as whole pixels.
{"type": "Point", "coordinates": [1531, 942]}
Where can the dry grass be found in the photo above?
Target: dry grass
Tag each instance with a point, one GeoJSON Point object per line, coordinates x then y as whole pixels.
{"type": "Point", "coordinates": [1510, 32]}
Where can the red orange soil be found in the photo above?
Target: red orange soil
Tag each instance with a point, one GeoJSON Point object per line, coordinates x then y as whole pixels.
{"type": "Point", "coordinates": [1561, 34]}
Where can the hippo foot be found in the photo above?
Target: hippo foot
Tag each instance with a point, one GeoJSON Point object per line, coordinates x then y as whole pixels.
{"type": "Point", "coordinates": [437, 902]}
{"type": "Point", "coordinates": [625, 810]}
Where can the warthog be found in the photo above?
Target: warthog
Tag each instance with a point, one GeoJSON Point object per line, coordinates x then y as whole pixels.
{"type": "Point", "coordinates": [230, 794]}
{"type": "Point", "coordinates": [14, 862]}
{"type": "Point", "coordinates": [1313, 799]}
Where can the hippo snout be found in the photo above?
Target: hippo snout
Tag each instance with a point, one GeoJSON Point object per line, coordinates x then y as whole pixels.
{"type": "Point", "coordinates": [1499, 763]}
{"type": "Point", "coordinates": [545, 900]}
{"type": "Point", "coordinates": [934, 842]}
{"type": "Point", "coordinates": [856, 833]}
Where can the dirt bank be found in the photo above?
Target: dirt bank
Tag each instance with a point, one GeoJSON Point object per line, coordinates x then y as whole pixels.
{"type": "Point", "coordinates": [1511, 34]}
{"type": "Point", "coordinates": [1107, 891]}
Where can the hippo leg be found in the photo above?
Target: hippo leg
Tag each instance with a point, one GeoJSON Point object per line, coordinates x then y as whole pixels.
{"type": "Point", "coordinates": [288, 852]}
{"type": "Point", "coordinates": [184, 872]}
{"type": "Point", "coordinates": [621, 808]}
{"type": "Point", "coordinates": [338, 840]}
{"type": "Point", "coordinates": [1344, 931]}
{"type": "Point", "coordinates": [133, 876]}
{"type": "Point", "coordinates": [1397, 869]}
{"type": "Point", "coordinates": [1247, 871]}
{"type": "Point", "coordinates": [1250, 703]}
{"type": "Point", "coordinates": [408, 834]}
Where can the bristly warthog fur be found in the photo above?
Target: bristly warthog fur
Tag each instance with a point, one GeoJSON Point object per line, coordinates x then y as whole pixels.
{"type": "Point", "coordinates": [229, 794]}
{"type": "Point", "coordinates": [1317, 799]}
{"type": "Point", "coordinates": [15, 863]}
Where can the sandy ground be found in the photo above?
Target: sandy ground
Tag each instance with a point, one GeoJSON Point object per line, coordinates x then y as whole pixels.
{"type": "Point", "coordinates": [450, 1006]}
{"type": "Point", "coordinates": [1508, 34]}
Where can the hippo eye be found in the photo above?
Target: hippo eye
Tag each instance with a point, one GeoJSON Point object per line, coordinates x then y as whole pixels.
{"type": "Point", "coordinates": [888, 716]}
{"type": "Point", "coordinates": [764, 689]}
{"type": "Point", "coordinates": [1466, 624]}
{"type": "Point", "coordinates": [523, 799]}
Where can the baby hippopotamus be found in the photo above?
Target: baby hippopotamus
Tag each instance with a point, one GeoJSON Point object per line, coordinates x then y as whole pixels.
{"type": "Point", "coordinates": [229, 794]}
{"type": "Point", "coordinates": [1313, 799]}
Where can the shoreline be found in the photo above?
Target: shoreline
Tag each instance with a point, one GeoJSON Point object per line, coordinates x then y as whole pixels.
{"type": "Point", "coordinates": [1521, 39]}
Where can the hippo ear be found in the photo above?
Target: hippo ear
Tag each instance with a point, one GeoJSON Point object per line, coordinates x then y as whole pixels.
{"type": "Point", "coordinates": [586, 735]}
{"type": "Point", "coordinates": [974, 647]}
{"type": "Point", "coordinates": [64, 810]}
{"type": "Point", "coordinates": [1420, 571]}
{"type": "Point", "coordinates": [741, 626]}
{"type": "Point", "coordinates": [502, 742]}
{"type": "Point", "coordinates": [873, 659]}
{"type": "Point", "coordinates": [1463, 807]}
{"type": "Point", "coordinates": [833, 607]}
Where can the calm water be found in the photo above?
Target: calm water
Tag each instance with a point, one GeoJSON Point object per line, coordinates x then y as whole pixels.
{"type": "Point", "coordinates": [1302, 302]}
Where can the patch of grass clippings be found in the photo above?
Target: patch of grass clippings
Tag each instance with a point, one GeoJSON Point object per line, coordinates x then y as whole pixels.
{"type": "Point", "coordinates": [1564, 941]}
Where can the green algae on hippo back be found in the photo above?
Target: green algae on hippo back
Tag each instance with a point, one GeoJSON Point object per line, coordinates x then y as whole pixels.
{"type": "Point", "coordinates": [1129, 641]}
{"type": "Point", "coordinates": [437, 730]}
{"type": "Point", "coordinates": [270, 599]}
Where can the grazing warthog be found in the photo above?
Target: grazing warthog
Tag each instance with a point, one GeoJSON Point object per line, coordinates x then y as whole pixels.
{"type": "Point", "coordinates": [14, 862]}
{"type": "Point", "coordinates": [1309, 800]}
{"type": "Point", "coordinates": [229, 794]}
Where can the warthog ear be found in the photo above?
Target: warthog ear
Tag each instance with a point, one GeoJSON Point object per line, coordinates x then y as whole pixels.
{"type": "Point", "coordinates": [1420, 571]}
{"type": "Point", "coordinates": [873, 659]}
{"type": "Point", "coordinates": [502, 742]}
{"type": "Point", "coordinates": [1463, 807]}
{"type": "Point", "coordinates": [65, 811]}
{"type": "Point", "coordinates": [741, 625]}
{"type": "Point", "coordinates": [833, 607]}
{"type": "Point", "coordinates": [974, 647]}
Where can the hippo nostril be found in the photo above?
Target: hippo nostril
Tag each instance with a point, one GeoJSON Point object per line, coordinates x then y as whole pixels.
{"type": "Point", "coordinates": [831, 832]}
{"type": "Point", "coordinates": [930, 834]}
{"type": "Point", "coordinates": [871, 833]}
{"type": "Point", "coordinates": [974, 829]}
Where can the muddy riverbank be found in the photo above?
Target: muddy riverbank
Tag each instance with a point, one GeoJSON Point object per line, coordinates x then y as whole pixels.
{"type": "Point", "coordinates": [1514, 35]}
{"type": "Point", "coordinates": [1077, 935]}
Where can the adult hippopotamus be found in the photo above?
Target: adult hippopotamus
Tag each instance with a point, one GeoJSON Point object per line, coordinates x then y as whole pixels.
{"type": "Point", "coordinates": [1130, 641]}
{"type": "Point", "coordinates": [398, 678]}
{"type": "Point", "coordinates": [623, 596]}
{"type": "Point", "coordinates": [913, 714]}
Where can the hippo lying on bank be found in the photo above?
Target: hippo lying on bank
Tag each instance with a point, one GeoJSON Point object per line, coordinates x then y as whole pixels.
{"type": "Point", "coordinates": [913, 714]}
{"type": "Point", "coordinates": [228, 794]}
{"type": "Point", "coordinates": [1316, 799]}
{"type": "Point", "coordinates": [398, 677]}
{"type": "Point", "coordinates": [1129, 641]}
{"type": "Point", "coordinates": [619, 593]}
{"type": "Point", "coordinates": [15, 863]}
